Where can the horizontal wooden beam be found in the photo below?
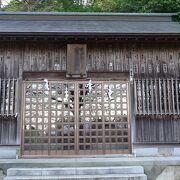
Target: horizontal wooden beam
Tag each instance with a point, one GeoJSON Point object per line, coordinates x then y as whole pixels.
{"type": "Point", "coordinates": [52, 75]}
{"type": "Point", "coordinates": [108, 75]}
{"type": "Point", "coordinates": [44, 75]}
{"type": "Point", "coordinates": [91, 38]}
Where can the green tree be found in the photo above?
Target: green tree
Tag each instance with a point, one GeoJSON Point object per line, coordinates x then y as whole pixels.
{"type": "Point", "coordinates": [106, 5]}
{"type": "Point", "coordinates": [130, 5]}
{"type": "Point", "coordinates": [95, 5]}
{"type": "Point", "coordinates": [149, 6]}
{"type": "Point", "coordinates": [23, 5]}
{"type": "Point", "coordinates": [158, 6]}
{"type": "Point", "coordinates": [51, 5]}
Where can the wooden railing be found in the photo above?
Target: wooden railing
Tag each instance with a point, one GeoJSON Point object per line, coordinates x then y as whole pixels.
{"type": "Point", "coordinates": [157, 96]}
{"type": "Point", "coordinates": [8, 97]}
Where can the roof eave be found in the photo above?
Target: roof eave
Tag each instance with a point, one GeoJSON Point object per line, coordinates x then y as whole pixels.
{"type": "Point", "coordinates": [88, 33]}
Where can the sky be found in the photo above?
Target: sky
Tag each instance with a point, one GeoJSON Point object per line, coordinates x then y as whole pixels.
{"type": "Point", "coordinates": [4, 2]}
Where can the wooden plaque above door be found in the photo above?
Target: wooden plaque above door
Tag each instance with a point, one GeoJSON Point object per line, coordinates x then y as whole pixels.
{"type": "Point", "coordinates": [76, 60]}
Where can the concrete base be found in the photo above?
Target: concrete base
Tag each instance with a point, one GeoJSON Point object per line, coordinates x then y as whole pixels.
{"type": "Point", "coordinates": [152, 151]}
{"type": "Point", "coordinates": [153, 166]}
{"type": "Point", "coordinates": [84, 173]}
{"type": "Point", "coordinates": [84, 177]}
{"type": "Point", "coordinates": [12, 152]}
{"type": "Point", "coordinates": [9, 152]}
{"type": "Point", "coordinates": [75, 171]}
{"type": "Point", "coordinates": [177, 151]}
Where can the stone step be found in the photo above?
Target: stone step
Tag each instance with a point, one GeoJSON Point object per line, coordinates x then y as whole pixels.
{"type": "Point", "coordinates": [75, 171]}
{"type": "Point", "coordinates": [82, 177]}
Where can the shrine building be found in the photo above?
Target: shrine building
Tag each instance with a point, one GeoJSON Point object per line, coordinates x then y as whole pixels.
{"type": "Point", "coordinates": [78, 84]}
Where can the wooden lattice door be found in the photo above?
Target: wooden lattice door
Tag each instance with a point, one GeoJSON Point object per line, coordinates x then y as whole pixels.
{"type": "Point", "coordinates": [103, 118]}
{"type": "Point", "coordinates": [75, 118]}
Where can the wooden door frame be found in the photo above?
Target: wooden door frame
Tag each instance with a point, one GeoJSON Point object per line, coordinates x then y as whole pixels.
{"type": "Point", "coordinates": [76, 116]}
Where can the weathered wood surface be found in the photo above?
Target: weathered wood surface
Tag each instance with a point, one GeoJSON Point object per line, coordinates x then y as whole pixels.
{"type": "Point", "coordinates": [149, 60]}
{"type": "Point", "coordinates": [157, 129]}
{"type": "Point", "coordinates": [154, 65]}
{"type": "Point", "coordinates": [8, 130]}
{"type": "Point", "coordinates": [16, 58]}
{"type": "Point", "coordinates": [76, 60]}
{"type": "Point", "coordinates": [8, 97]}
{"type": "Point", "coordinates": [10, 57]}
{"type": "Point", "coordinates": [44, 57]}
{"type": "Point", "coordinates": [157, 96]}
{"type": "Point", "coordinates": [8, 111]}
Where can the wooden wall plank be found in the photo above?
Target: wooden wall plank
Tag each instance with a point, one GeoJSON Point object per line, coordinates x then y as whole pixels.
{"type": "Point", "coordinates": [147, 97]}
{"type": "Point", "coordinates": [136, 97]}
{"type": "Point", "coordinates": [169, 96]}
{"type": "Point", "coordinates": [33, 56]}
{"type": "Point", "coordinates": [160, 96]}
{"type": "Point", "coordinates": [152, 85]}
{"type": "Point", "coordinates": [3, 98]}
{"type": "Point", "coordinates": [157, 129]}
{"type": "Point", "coordinates": [0, 95]}
{"type": "Point", "coordinates": [165, 95]}
{"type": "Point", "coordinates": [149, 60]}
{"type": "Point", "coordinates": [172, 95]}
{"type": "Point", "coordinates": [8, 97]}
{"type": "Point", "coordinates": [12, 98]}
{"type": "Point", "coordinates": [177, 95]}
{"type": "Point", "coordinates": [8, 130]}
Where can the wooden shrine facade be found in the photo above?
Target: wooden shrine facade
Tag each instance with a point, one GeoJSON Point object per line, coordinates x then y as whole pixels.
{"type": "Point", "coordinates": [97, 92]}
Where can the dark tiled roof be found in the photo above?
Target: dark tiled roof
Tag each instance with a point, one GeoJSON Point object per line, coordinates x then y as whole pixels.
{"type": "Point", "coordinates": [87, 23]}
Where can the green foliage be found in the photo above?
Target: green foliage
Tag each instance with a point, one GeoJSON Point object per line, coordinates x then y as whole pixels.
{"type": "Point", "coordinates": [131, 5]}
{"type": "Point", "coordinates": [106, 5]}
{"type": "Point", "coordinates": [150, 6]}
{"type": "Point", "coordinates": [166, 6]}
{"type": "Point", "coordinates": [95, 5]}
{"type": "Point", "coordinates": [52, 5]}
{"type": "Point", "coordinates": [23, 5]}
